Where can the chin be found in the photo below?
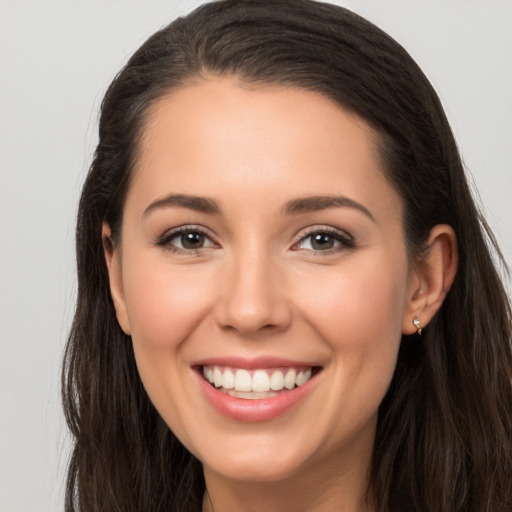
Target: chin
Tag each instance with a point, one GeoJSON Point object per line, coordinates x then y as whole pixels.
{"type": "Point", "coordinates": [258, 469]}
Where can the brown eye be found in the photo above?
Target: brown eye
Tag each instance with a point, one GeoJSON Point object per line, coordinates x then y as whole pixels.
{"type": "Point", "coordinates": [192, 240]}
{"type": "Point", "coordinates": [325, 241]}
{"type": "Point", "coordinates": [322, 242]}
{"type": "Point", "coordinates": [186, 240]}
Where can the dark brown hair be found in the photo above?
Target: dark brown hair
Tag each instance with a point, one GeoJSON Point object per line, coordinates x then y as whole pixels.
{"type": "Point", "coordinates": [444, 438]}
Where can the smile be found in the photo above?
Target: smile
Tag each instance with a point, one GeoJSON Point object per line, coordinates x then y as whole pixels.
{"type": "Point", "coordinates": [256, 383]}
{"type": "Point", "coordinates": [257, 389]}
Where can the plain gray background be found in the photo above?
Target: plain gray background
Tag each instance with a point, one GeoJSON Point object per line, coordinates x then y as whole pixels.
{"type": "Point", "coordinates": [56, 60]}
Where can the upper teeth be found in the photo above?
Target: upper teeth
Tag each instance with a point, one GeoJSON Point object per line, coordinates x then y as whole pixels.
{"type": "Point", "coordinates": [256, 380]}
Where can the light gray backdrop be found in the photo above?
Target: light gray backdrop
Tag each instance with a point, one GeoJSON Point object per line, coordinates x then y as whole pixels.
{"type": "Point", "coordinates": [56, 59]}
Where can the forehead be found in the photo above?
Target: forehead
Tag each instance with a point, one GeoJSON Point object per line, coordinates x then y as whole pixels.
{"type": "Point", "coordinates": [219, 136]}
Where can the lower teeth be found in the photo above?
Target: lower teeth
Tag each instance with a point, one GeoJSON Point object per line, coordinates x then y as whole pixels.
{"type": "Point", "coordinates": [249, 395]}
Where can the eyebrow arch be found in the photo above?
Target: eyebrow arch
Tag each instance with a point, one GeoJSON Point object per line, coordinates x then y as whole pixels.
{"type": "Point", "coordinates": [315, 203]}
{"type": "Point", "coordinates": [196, 203]}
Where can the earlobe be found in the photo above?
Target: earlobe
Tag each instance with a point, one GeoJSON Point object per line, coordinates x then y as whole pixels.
{"type": "Point", "coordinates": [434, 272]}
{"type": "Point", "coordinates": [113, 262]}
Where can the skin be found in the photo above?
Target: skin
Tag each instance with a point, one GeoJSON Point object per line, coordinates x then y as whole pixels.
{"type": "Point", "coordinates": [258, 287]}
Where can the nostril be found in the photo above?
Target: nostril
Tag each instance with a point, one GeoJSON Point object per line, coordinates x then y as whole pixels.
{"type": "Point", "coordinates": [251, 301]}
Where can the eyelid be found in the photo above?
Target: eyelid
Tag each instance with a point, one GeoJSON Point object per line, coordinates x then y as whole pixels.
{"type": "Point", "coordinates": [345, 239]}
{"type": "Point", "coordinates": [165, 239]}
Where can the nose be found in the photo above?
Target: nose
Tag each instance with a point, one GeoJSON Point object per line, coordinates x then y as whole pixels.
{"type": "Point", "coordinates": [252, 298]}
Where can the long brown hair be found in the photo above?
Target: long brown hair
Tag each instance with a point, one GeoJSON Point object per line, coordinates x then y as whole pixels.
{"type": "Point", "coordinates": [444, 437]}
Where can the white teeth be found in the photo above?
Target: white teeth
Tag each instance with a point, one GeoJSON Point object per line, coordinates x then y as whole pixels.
{"type": "Point", "coordinates": [300, 379]}
{"type": "Point", "coordinates": [260, 381]}
{"type": "Point", "coordinates": [243, 381]}
{"type": "Point", "coordinates": [289, 380]}
{"type": "Point", "coordinates": [303, 377]}
{"type": "Point", "coordinates": [251, 396]}
{"type": "Point", "coordinates": [256, 381]}
{"type": "Point", "coordinates": [217, 377]}
{"type": "Point", "coordinates": [228, 380]}
{"type": "Point", "coordinates": [277, 381]}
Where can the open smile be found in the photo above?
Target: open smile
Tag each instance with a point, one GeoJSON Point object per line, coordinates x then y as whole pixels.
{"type": "Point", "coordinates": [256, 383]}
{"type": "Point", "coordinates": [249, 393]}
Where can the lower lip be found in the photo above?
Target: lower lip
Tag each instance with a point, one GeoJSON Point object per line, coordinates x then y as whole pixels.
{"type": "Point", "coordinates": [252, 411]}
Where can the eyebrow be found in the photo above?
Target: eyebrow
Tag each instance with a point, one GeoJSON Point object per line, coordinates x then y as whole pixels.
{"type": "Point", "coordinates": [293, 207]}
{"type": "Point", "coordinates": [196, 203]}
{"type": "Point", "coordinates": [316, 203]}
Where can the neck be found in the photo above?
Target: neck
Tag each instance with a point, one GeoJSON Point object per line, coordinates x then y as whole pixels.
{"type": "Point", "coordinates": [324, 489]}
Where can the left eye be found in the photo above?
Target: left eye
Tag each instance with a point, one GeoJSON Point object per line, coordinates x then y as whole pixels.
{"type": "Point", "coordinates": [324, 241]}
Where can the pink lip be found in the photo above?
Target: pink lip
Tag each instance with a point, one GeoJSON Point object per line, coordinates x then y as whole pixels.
{"type": "Point", "coordinates": [252, 411]}
{"type": "Point", "coordinates": [254, 363]}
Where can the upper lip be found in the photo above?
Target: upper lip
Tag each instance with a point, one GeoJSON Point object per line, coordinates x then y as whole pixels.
{"type": "Point", "coordinates": [253, 363]}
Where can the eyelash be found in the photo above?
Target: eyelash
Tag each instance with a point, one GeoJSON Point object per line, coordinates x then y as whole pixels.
{"type": "Point", "coordinates": [166, 238]}
{"type": "Point", "coordinates": [345, 241]}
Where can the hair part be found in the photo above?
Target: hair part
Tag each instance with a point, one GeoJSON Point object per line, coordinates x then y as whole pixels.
{"type": "Point", "coordinates": [445, 426]}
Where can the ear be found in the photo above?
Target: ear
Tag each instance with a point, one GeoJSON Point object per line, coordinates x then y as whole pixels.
{"type": "Point", "coordinates": [431, 278]}
{"type": "Point", "coordinates": [113, 261]}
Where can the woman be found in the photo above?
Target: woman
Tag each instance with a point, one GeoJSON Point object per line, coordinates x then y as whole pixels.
{"type": "Point", "coordinates": [286, 297]}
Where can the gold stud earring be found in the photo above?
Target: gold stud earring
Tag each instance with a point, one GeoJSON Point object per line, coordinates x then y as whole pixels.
{"type": "Point", "coordinates": [418, 326]}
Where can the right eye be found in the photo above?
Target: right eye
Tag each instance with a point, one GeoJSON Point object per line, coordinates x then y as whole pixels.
{"type": "Point", "coordinates": [186, 240]}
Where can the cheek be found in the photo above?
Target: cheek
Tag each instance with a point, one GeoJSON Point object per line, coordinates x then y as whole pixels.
{"type": "Point", "coordinates": [357, 304]}
{"type": "Point", "coordinates": [359, 313]}
{"type": "Point", "coordinates": [165, 304]}
{"type": "Point", "coordinates": [360, 320]}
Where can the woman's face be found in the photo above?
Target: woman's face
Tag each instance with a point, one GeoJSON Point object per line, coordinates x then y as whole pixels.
{"type": "Point", "coordinates": [262, 247]}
